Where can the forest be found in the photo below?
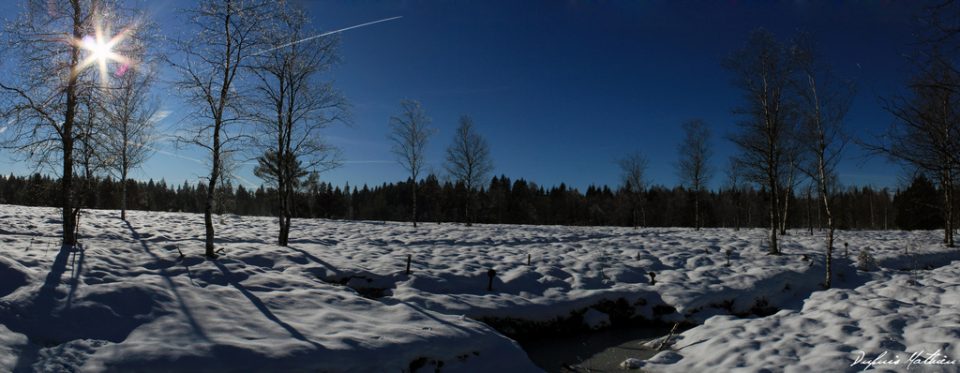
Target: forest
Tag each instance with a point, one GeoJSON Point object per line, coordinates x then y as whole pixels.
{"type": "Point", "coordinates": [506, 201]}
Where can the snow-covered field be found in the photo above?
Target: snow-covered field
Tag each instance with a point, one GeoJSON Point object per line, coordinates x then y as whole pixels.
{"type": "Point", "coordinates": [339, 298]}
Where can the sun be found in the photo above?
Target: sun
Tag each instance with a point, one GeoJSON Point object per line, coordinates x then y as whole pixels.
{"type": "Point", "coordinates": [99, 50]}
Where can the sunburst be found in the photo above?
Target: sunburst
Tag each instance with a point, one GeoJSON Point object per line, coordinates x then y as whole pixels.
{"type": "Point", "coordinates": [99, 49]}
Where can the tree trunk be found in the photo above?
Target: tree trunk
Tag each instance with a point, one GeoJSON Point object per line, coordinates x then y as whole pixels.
{"type": "Point", "coordinates": [827, 283]}
{"type": "Point", "coordinates": [774, 215]}
{"type": "Point", "coordinates": [810, 204]}
{"type": "Point", "coordinates": [466, 209]}
{"type": "Point", "coordinates": [786, 208]}
{"type": "Point", "coordinates": [948, 209]}
{"type": "Point", "coordinates": [830, 234]}
{"type": "Point", "coordinates": [284, 197]}
{"type": "Point", "coordinates": [414, 214]}
{"type": "Point", "coordinates": [123, 194]}
{"type": "Point", "coordinates": [737, 210]}
{"type": "Point", "coordinates": [696, 209]}
{"type": "Point", "coordinates": [211, 192]}
{"type": "Point", "coordinates": [68, 214]}
{"type": "Point", "coordinates": [66, 192]}
{"type": "Point", "coordinates": [643, 216]}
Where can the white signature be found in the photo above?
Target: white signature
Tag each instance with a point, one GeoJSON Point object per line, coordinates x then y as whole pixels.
{"type": "Point", "coordinates": [917, 358]}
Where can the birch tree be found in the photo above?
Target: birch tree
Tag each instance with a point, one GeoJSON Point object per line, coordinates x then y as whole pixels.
{"type": "Point", "coordinates": [633, 169]}
{"type": "Point", "coordinates": [926, 134]}
{"type": "Point", "coordinates": [293, 106]}
{"type": "Point", "coordinates": [132, 115]}
{"type": "Point", "coordinates": [468, 161]}
{"type": "Point", "coordinates": [51, 47]}
{"type": "Point", "coordinates": [694, 168]}
{"type": "Point", "coordinates": [409, 132]}
{"type": "Point", "coordinates": [210, 65]}
{"type": "Point", "coordinates": [823, 104]}
{"type": "Point", "coordinates": [762, 71]}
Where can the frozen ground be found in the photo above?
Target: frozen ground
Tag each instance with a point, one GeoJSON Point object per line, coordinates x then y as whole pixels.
{"type": "Point", "coordinates": [338, 299]}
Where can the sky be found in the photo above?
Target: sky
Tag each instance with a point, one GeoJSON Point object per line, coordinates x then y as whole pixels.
{"type": "Point", "coordinates": [562, 89]}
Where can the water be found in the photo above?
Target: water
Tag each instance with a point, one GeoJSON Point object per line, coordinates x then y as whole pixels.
{"type": "Point", "coordinates": [600, 351]}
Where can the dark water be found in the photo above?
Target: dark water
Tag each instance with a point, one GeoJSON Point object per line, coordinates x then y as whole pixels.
{"type": "Point", "coordinates": [600, 351]}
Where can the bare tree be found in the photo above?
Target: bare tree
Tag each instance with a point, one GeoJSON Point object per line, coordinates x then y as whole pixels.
{"type": "Point", "coordinates": [694, 168]}
{"type": "Point", "coordinates": [762, 71]}
{"type": "Point", "coordinates": [293, 106]}
{"type": "Point", "coordinates": [90, 154]}
{"type": "Point", "coordinates": [823, 105]}
{"type": "Point", "coordinates": [228, 33]}
{"type": "Point", "coordinates": [42, 89]}
{"type": "Point", "coordinates": [926, 135]}
{"type": "Point", "coordinates": [468, 161]}
{"type": "Point", "coordinates": [132, 116]}
{"type": "Point", "coordinates": [633, 170]}
{"type": "Point", "coordinates": [409, 132]}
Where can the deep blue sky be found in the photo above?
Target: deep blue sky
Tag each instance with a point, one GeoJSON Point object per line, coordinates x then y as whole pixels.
{"type": "Point", "coordinates": [561, 89]}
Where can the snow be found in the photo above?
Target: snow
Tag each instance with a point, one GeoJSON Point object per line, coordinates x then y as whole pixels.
{"type": "Point", "coordinates": [631, 363]}
{"type": "Point", "coordinates": [339, 299]}
{"type": "Point", "coordinates": [596, 319]}
{"type": "Point", "coordinates": [895, 315]}
{"type": "Point", "coordinates": [127, 303]}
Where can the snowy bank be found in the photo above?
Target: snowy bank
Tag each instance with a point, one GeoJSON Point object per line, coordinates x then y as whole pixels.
{"type": "Point", "coordinates": [905, 322]}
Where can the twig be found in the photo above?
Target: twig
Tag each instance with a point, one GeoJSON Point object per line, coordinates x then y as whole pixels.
{"type": "Point", "coordinates": [667, 340]}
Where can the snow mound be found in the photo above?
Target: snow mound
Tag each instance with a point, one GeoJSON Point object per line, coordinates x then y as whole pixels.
{"type": "Point", "coordinates": [836, 330]}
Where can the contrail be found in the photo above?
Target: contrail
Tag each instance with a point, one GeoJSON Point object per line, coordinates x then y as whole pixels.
{"type": "Point", "coordinates": [327, 33]}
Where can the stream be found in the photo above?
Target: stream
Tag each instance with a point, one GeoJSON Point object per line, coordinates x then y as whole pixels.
{"type": "Point", "coordinates": [599, 351]}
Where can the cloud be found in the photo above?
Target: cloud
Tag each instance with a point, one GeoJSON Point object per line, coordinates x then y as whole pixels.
{"type": "Point", "coordinates": [160, 115]}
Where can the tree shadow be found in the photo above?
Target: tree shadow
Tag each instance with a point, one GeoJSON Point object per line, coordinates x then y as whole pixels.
{"type": "Point", "coordinates": [76, 268]}
{"type": "Point", "coordinates": [171, 285]}
{"type": "Point", "coordinates": [38, 316]}
{"type": "Point", "coordinates": [323, 241]}
{"type": "Point", "coordinates": [427, 313]}
{"type": "Point", "coordinates": [46, 299]}
{"type": "Point", "coordinates": [261, 306]}
{"type": "Point", "coordinates": [314, 259]}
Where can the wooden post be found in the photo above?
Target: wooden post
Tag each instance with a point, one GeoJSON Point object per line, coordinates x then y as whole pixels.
{"type": "Point", "coordinates": [846, 249]}
{"type": "Point", "coordinates": [491, 274]}
{"type": "Point", "coordinates": [528, 259]}
{"type": "Point", "coordinates": [409, 257]}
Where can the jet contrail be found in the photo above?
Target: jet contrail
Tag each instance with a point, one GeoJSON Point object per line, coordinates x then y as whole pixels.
{"type": "Point", "coordinates": [327, 33]}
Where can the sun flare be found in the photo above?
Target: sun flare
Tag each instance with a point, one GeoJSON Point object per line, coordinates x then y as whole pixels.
{"type": "Point", "coordinates": [99, 49]}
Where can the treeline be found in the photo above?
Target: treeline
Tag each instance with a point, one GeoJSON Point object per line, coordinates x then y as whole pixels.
{"type": "Point", "coordinates": [505, 201]}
